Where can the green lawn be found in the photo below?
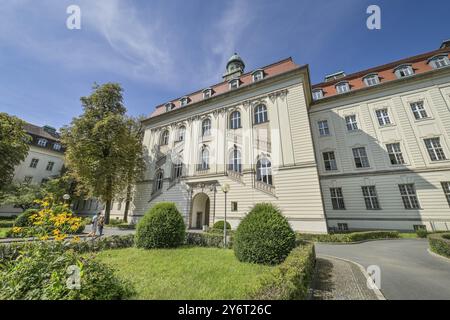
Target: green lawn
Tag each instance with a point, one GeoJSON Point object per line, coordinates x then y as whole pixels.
{"type": "Point", "coordinates": [3, 232]}
{"type": "Point", "coordinates": [185, 273]}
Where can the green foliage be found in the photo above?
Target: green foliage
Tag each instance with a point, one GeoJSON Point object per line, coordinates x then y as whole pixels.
{"type": "Point", "coordinates": [115, 222]}
{"type": "Point", "coordinates": [207, 239]}
{"type": "Point", "coordinates": [14, 146]}
{"type": "Point", "coordinates": [220, 224]}
{"type": "Point", "coordinates": [422, 233]}
{"type": "Point", "coordinates": [23, 220]}
{"type": "Point", "coordinates": [349, 237]}
{"type": "Point", "coordinates": [126, 226]}
{"type": "Point", "coordinates": [21, 195]}
{"type": "Point", "coordinates": [161, 227]}
{"type": "Point", "coordinates": [264, 236]}
{"type": "Point", "coordinates": [440, 243]}
{"type": "Point", "coordinates": [6, 224]}
{"type": "Point", "coordinates": [291, 279]}
{"type": "Point", "coordinates": [40, 273]}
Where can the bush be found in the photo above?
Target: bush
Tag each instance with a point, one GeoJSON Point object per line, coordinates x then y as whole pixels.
{"type": "Point", "coordinates": [208, 239]}
{"type": "Point", "coordinates": [220, 224]}
{"type": "Point", "coordinates": [440, 243]}
{"type": "Point", "coordinates": [349, 237]}
{"type": "Point", "coordinates": [422, 233]}
{"type": "Point", "coordinates": [115, 222]}
{"type": "Point", "coordinates": [161, 227]}
{"type": "Point", "coordinates": [6, 224]}
{"type": "Point", "coordinates": [291, 279]}
{"type": "Point", "coordinates": [264, 236]}
{"type": "Point", "coordinates": [23, 220]}
{"type": "Point", "coordinates": [126, 226]}
{"type": "Point", "coordinates": [41, 273]}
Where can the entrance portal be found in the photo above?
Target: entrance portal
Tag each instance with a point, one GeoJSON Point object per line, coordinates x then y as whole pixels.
{"type": "Point", "coordinates": [199, 216]}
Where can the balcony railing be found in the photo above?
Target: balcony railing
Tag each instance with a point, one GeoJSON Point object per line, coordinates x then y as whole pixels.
{"type": "Point", "coordinates": [236, 176]}
{"type": "Point", "coordinates": [201, 169]}
{"type": "Point", "coordinates": [267, 188]}
{"type": "Point", "coordinates": [262, 144]}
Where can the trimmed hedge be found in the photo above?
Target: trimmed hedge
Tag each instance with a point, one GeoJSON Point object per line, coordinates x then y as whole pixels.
{"type": "Point", "coordinates": [126, 226]}
{"type": "Point", "coordinates": [6, 224]}
{"type": "Point", "coordinates": [161, 227]}
{"type": "Point", "coordinates": [207, 239]}
{"type": "Point", "coordinates": [220, 224]}
{"type": "Point", "coordinates": [264, 236]}
{"type": "Point", "coordinates": [440, 243]}
{"type": "Point", "coordinates": [349, 237]}
{"type": "Point", "coordinates": [291, 279]}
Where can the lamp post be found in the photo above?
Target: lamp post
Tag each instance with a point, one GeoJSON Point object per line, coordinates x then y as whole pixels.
{"type": "Point", "coordinates": [66, 198]}
{"type": "Point", "coordinates": [225, 188]}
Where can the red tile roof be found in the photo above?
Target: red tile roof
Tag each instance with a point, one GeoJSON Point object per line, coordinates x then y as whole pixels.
{"type": "Point", "coordinates": [274, 69]}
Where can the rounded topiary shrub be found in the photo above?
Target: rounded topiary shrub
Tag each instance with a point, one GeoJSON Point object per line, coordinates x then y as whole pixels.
{"type": "Point", "coordinates": [23, 220]}
{"type": "Point", "coordinates": [264, 236]}
{"type": "Point", "coordinates": [219, 225]}
{"type": "Point", "coordinates": [161, 227]}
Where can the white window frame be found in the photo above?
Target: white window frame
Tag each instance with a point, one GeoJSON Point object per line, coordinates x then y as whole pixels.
{"type": "Point", "coordinates": [435, 149]}
{"type": "Point", "coordinates": [181, 133]}
{"type": "Point", "coordinates": [169, 106]}
{"type": "Point", "coordinates": [207, 93]}
{"type": "Point", "coordinates": [159, 180]}
{"type": "Point", "coordinates": [351, 122]}
{"type": "Point", "coordinates": [409, 196]}
{"type": "Point", "coordinates": [383, 117]}
{"type": "Point", "coordinates": [342, 87]}
{"type": "Point", "coordinates": [317, 94]}
{"type": "Point", "coordinates": [258, 75]}
{"type": "Point", "coordinates": [404, 71]}
{"type": "Point", "coordinates": [324, 129]}
{"type": "Point", "coordinates": [165, 137]}
{"type": "Point", "coordinates": [204, 159]}
{"type": "Point", "coordinates": [184, 101]}
{"type": "Point", "coordinates": [264, 171]}
{"type": "Point", "coordinates": [418, 110]}
{"type": "Point", "coordinates": [234, 84]}
{"type": "Point", "coordinates": [446, 188]}
{"type": "Point", "coordinates": [337, 198]}
{"type": "Point", "coordinates": [370, 197]}
{"type": "Point", "coordinates": [440, 61]}
{"type": "Point", "coordinates": [395, 153]}
{"type": "Point", "coordinates": [235, 120]}
{"type": "Point", "coordinates": [235, 163]}
{"type": "Point", "coordinates": [371, 80]}
{"type": "Point", "coordinates": [50, 166]}
{"type": "Point", "coordinates": [177, 169]}
{"type": "Point", "coordinates": [331, 161]}
{"type": "Point", "coordinates": [361, 157]}
{"type": "Point", "coordinates": [57, 146]}
{"type": "Point", "coordinates": [260, 114]}
{"type": "Point", "coordinates": [206, 127]}
{"type": "Point", "coordinates": [42, 142]}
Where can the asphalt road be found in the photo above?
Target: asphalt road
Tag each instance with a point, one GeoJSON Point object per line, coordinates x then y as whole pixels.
{"type": "Point", "coordinates": [408, 270]}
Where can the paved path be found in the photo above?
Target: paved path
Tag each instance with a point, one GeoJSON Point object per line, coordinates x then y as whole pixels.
{"type": "Point", "coordinates": [336, 279]}
{"type": "Point", "coordinates": [408, 270]}
{"type": "Point", "coordinates": [111, 231]}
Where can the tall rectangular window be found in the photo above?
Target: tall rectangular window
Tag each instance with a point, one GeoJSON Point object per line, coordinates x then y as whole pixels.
{"type": "Point", "coordinates": [383, 117]}
{"type": "Point", "coordinates": [435, 149]}
{"type": "Point", "coordinates": [329, 161]}
{"type": "Point", "coordinates": [360, 157]}
{"type": "Point", "coordinates": [34, 163]}
{"type": "Point", "coordinates": [337, 199]}
{"type": "Point", "coordinates": [370, 197]}
{"type": "Point", "coordinates": [351, 123]}
{"type": "Point", "coordinates": [395, 153]}
{"type": "Point", "coordinates": [446, 188]}
{"type": "Point", "coordinates": [323, 128]}
{"type": "Point", "coordinates": [409, 197]}
{"type": "Point", "coordinates": [50, 166]}
{"type": "Point", "coordinates": [418, 110]}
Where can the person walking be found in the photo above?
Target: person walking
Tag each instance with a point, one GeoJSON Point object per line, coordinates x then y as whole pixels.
{"type": "Point", "coordinates": [94, 224]}
{"type": "Point", "coordinates": [100, 224]}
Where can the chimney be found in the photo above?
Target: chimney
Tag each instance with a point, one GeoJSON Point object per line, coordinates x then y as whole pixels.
{"type": "Point", "coordinates": [335, 76]}
{"type": "Point", "coordinates": [445, 44]}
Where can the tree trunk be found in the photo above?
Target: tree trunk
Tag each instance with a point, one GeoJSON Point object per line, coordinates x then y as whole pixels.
{"type": "Point", "coordinates": [127, 203]}
{"type": "Point", "coordinates": [108, 201]}
{"type": "Point", "coordinates": [107, 211]}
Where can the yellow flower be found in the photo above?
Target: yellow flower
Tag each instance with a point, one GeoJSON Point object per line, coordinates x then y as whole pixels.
{"type": "Point", "coordinates": [60, 237]}
{"type": "Point", "coordinates": [16, 229]}
{"type": "Point", "coordinates": [76, 239]}
{"type": "Point", "coordinates": [44, 237]}
{"type": "Point", "coordinates": [56, 232]}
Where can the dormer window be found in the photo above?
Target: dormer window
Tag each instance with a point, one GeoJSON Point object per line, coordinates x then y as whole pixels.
{"type": "Point", "coordinates": [184, 101]}
{"type": "Point", "coordinates": [207, 93]}
{"type": "Point", "coordinates": [42, 142]}
{"type": "Point", "coordinates": [56, 146]}
{"type": "Point", "coordinates": [342, 87]}
{"type": "Point", "coordinates": [371, 79]}
{"type": "Point", "coordinates": [439, 61]}
{"type": "Point", "coordinates": [404, 71]}
{"type": "Point", "coordinates": [258, 75]}
{"type": "Point", "coordinates": [234, 84]}
{"type": "Point", "coordinates": [169, 106]}
{"type": "Point", "coordinates": [317, 94]}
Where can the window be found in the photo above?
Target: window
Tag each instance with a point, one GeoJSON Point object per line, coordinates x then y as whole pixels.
{"type": "Point", "coordinates": [317, 94]}
{"type": "Point", "coordinates": [34, 163]}
{"type": "Point", "coordinates": [371, 80]}
{"type": "Point", "coordinates": [260, 114]}
{"type": "Point", "coordinates": [177, 169]}
{"type": "Point", "coordinates": [207, 93]}
{"type": "Point", "coordinates": [329, 161]}
{"type": "Point", "coordinates": [337, 199]}
{"type": "Point", "coordinates": [351, 123]}
{"type": "Point", "coordinates": [181, 133]}
{"type": "Point", "coordinates": [56, 146]}
{"type": "Point", "coordinates": [204, 157]}
{"type": "Point", "coordinates": [206, 128]}
{"type": "Point", "coordinates": [159, 180]}
{"type": "Point", "coordinates": [440, 62]}
{"type": "Point", "coordinates": [323, 128]}
{"type": "Point", "coordinates": [234, 206]}
{"type": "Point", "coordinates": [383, 117]}
{"type": "Point", "coordinates": [360, 156]}
{"type": "Point", "coordinates": [342, 87]}
{"type": "Point", "coordinates": [404, 71]}
{"type": "Point", "coordinates": [184, 101]}
{"type": "Point", "coordinates": [28, 179]}
{"type": "Point", "coordinates": [446, 188]}
{"type": "Point", "coordinates": [419, 110]}
{"type": "Point", "coordinates": [435, 149]}
{"type": "Point", "coordinates": [409, 197]}
{"type": "Point", "coordinates": [342, 226]}
{"type": "Point", "coordinates": [234, 84]}
{"type": "Point", "coordinates": [419, 227]}
{"type": "Point", "coordinates": [169, 106]}
{"type": "Point", "coordinates": [370, 197]}
{"type": "Point", "coordinates": [235, 120]}
{"type": "Point", "coordinates": [395, 153]}
{"type": "Point", "coordinates": [42, 142]}
{"type": "Point", "coordinates": [264, 171]}
{"type": "Point", "coordinates": [165, 138]}
{"type": "Point", "coordinates": [119, 205]}
{"type": "Point", "coordinates": [235, 163]}
{"type": "Point", "coordinates": [50, 166]}
{"type": "Point", "coordinates": [258, 75]}
{"type": "Point", "coordinates": [44, 180]}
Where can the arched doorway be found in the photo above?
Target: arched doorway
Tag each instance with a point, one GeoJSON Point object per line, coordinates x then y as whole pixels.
{"type": "Point", "coordinates": [199, 212]}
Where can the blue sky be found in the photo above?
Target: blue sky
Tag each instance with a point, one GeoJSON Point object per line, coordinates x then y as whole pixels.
{"type": "Point", "coordinates": [159, 50]}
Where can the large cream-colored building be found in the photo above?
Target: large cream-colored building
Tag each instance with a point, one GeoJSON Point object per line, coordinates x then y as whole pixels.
{"type": "Point", "coordinates": [368, 150]}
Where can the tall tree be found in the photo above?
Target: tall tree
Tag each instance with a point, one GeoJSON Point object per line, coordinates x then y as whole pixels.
{"type": "Point", "coordinates": [14, 146]}
{"type": "Point", "coordinates": [98, 145]}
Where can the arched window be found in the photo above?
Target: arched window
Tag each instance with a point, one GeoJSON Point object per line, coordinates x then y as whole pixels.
{"type": "Point", "coordinates": [181, 133]}
{"type": "Point", "coordinates": [235, 120]}
{"type": "Point", "coordinates": [204, 159]}
{"type": "Point", "coordinates": [159, 180]}
{"type": "Point", "coordinates": [206, 127]}
{"type": "Point", "coordinates": [260, 114]}
{"type": "Point", "coordinates": [264, 171]}
{"type": "Point", "coordinates": [235, 163]}
{"type": "Point", "coordinates": [178, 169]}
{"type": "Point", "coordinates": [164, 138]}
